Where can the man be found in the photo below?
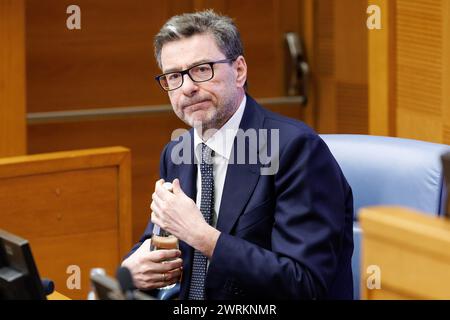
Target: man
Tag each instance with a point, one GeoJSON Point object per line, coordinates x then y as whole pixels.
{"type": "Point", "coordinates": [248, 229]}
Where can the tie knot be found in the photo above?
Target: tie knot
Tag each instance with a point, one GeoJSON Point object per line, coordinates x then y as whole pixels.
{"type": "Point", "coordinates": [207, 154]}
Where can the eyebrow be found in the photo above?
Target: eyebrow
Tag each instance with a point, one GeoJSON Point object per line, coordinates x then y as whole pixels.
{"type": "Point", "coordinates": [189, 66]}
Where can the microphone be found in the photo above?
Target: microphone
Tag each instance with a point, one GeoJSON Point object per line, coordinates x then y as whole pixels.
{"type": "Point", "coordinates": [126, 282]}
{"type": "Point", "coordinates": [48, 285]}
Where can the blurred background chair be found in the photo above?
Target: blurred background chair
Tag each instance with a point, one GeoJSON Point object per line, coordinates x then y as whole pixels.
{"type": "Point", "coordinates": [388, 171]}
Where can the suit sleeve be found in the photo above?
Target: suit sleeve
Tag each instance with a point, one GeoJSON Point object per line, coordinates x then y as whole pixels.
{"type": "Point", "coordinates": [307, 234]}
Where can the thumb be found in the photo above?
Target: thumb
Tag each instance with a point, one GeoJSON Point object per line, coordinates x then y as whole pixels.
{"type": "Point", "coordinates": [177, 187]}
{"type": "Point", "coordinates": [145, 246]}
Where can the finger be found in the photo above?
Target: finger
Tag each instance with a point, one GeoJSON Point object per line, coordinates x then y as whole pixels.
{"type": "Point", "coordinates": [146, 245]}
{"type": "Point", "coordinates": [163, 266]}
{"type": "Point", "coordinates": [152, 261]}
{"type": "Point", "coordinates": [155, 219]}
{"type": "Point", "coordinates": [173, 275]}
{"type": "Point", "coordinates": [168, 280]}
{"type": "Point", "coordinates": [171, 282]}
{"type": "Point", "coordinates": [159, 182]}
{"type": "Point", "coordinates": [167, 266]}
{"type": "Point", "coordinates": [156, 209]}
{"type": "Point", "coordinates": [163, 255]}
{"type": "Point", "coordinates": [157, 201]}
{"type": "Point", "coordinates": [177, 187]}
{"type": "Point", "coordinates": [163, 193]}
{"type": "Point", "coordinates": [149, 284]}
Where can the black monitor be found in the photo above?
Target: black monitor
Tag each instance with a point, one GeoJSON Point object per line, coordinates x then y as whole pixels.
{"type": "Point", "coordinates": [446, 167]}
{"type": "Point", "coordinates": [19, 277]}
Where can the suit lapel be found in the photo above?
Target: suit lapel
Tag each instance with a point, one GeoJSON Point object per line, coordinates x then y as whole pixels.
{"type": "Point", "coordinates": [239, 185]}
{"type": "Point", "coordinates": [241, 179]}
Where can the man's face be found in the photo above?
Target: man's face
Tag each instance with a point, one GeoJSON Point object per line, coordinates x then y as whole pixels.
{"type": "Point", "coordinates": [208, 104]}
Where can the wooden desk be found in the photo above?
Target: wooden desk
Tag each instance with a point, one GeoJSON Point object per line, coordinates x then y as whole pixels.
{"type": "Point", "coordinates": [57, 296]}
{"type": "Point", "coordinates": [412, 251]}
{"type": "Point", "coordinates": [73, 207]}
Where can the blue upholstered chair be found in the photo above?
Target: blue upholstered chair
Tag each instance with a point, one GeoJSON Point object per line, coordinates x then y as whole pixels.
{"type": "Point", "coordinates": [389, 171]}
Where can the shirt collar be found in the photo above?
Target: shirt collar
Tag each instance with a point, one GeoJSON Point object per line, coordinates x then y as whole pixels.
{"type": "Point", "coordinates": [222, 141]}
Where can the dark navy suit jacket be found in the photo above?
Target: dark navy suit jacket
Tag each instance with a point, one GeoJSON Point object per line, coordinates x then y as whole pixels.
{"type": "Point", "coordinates": [285, 236]}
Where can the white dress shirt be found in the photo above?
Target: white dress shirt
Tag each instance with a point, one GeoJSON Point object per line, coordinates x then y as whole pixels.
{"type": "Point", "coordinates": [221, 143]}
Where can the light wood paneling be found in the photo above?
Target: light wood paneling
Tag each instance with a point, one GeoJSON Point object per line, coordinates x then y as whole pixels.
{"type": "Point", "coordinates": [325, 17]}
{"type": "Point", "coordinates": [447, 134]}
{"type": "Point", "coordinates": [327, 113]}
{"type": "Point", "coordinates": [351, 66]}
{"type": "Point", "coordinates": [109, 62]}
{"type": "Point", "coordinates": [341, 66]}
{"type": "Point", "coordinates": [56, 202]}
{"type": "Point", "coordinates": [12, 78]}
{"type": "Point", "coordinates": [311, 114]}
{"type": "Point", "coordinates": [417, 125]}
{"type": "Point", "coordinates": [381, 65]}
{"type": "Point", "coordinates": [351, 105]}
{"type": "Point", "coordinates": [323, 66]}
{"type": "Point", "coordinates": [446, 73]}
{"type": "Point", "coordinates": [73, 207]}
{"type": "Point", "coordinates": [419, 73]}
{"type": "Point", "coordinates": [411, 250]}
{"type": "Point", "coordinates": [386, 294]}
{"type": "Point", "coordinates": [410, 70]}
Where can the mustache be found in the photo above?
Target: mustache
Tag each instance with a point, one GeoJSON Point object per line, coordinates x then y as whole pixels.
{"type": "Point", "coordinates": [193, 101]}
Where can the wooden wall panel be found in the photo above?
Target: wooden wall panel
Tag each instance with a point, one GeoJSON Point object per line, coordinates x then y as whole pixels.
{"type": "Point", "coordinates": [419, 68]}
{"type": "Point", "coordinates": [351, 106]}
{"type": "Point", "coordinates": [447, 134]}
{"type": "Point", "coordinates": [341, 66]}
{"type": "Point", "coordinates": [420, 61]}
{"type": "Point", "coordinates": [12, 78]}
{"type": "Point", "coordinates": [262, 35]}
{"type": "Point", "coordinates": [382, 66]}
{"type": "Point", "coordinates": [63, 202]}
{"type": "Point", "coordinates": [446, 72]}
{"type": "Point", "coordinates": [108, 63]}
{"type": "Point", "coordinates": [325, 17]}
{"type": "Point", "coordinates": [351, 72]}
{"type": "Point", "coordinates": [323, 65]}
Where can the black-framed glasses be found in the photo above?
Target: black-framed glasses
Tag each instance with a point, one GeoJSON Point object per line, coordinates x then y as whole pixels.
{"type": "Point", "coordinates": [199, 73]}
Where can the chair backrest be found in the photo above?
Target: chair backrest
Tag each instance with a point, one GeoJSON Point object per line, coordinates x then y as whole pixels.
{"type": "Point", "coordinates": [391, 171]}
{"type": "Point", "coordinates": [388, 171]}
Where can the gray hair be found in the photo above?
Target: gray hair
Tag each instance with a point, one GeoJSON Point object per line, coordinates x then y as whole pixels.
{"type": "Point", "coordinates": [222, 28]}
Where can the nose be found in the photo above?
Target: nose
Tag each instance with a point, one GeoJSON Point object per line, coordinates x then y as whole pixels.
{"type": "Point", "coordinates": [189, 87]}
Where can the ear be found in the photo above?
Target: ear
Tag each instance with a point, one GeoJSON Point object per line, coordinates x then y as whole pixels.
{"type": "Point", "coordinates": [241, 71]}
